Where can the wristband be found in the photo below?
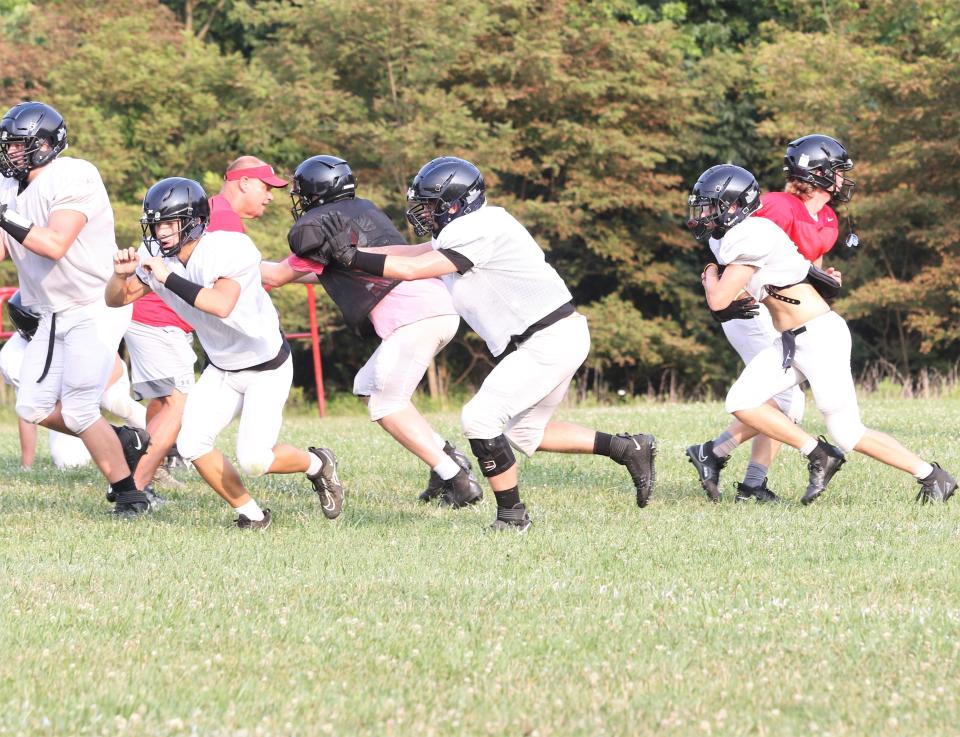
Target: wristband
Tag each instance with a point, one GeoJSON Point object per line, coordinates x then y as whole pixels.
{"type": "Point", "coordinates": [372, 263]}
{"type": "Point", "coordinates": [183, 288]}
{"type": "Point", "coordinates": [14, 223]}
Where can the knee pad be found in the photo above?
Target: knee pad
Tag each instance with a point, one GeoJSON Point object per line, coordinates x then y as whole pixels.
{"type": "Point", "coordinates": [31, 414]}
{"type": "Point", "coordinates": [192, 445]}
{"type": "Point", "coordinates": [845, 427]}
{"type": "Point", "coordinates": [478, 422]}
{"type": "Point", "coordinates": [255, 463]}
{"type": "Point", "coordinates": [78, 419]}
{"type": "Point", "coordinates": [494, 456]}
{"type": "Point", "coordinates": [740, 397]}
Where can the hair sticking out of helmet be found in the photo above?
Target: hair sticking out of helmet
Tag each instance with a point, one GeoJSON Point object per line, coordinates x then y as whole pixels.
{"type": "Point", "coordinates": [723, 196]}
{"type": "Point", "coordinates": [820, 160]}
{"type": "Point", "coordinates": [320, 180]}
{"type": "Point", "coordinates": [31, 135]}
{"type": "Point", "coordinates": [443, 190]}
{"type": "Point", "coordinates": [174, 200]}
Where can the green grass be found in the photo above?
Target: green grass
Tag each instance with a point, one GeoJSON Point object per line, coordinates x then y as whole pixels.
{"type": "Point", "coordinates": [683, 618]}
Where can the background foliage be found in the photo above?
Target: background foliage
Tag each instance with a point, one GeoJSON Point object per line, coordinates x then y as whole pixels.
{"type": "Point", "coordinates": [590, 120]}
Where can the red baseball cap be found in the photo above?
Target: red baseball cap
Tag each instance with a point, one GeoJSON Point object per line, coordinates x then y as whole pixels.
{"type": "Point", "coordinates": [263, 173]}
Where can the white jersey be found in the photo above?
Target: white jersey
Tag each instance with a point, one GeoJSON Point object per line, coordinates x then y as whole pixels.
{"type": "Point", "coordinates": [250, 334]}
{"type": "Point", "coordinates": [761, 243]}
{"type": "Point", "coordinates": [80, 276]}
{"type": "Point", "coordinates": [503, 283]}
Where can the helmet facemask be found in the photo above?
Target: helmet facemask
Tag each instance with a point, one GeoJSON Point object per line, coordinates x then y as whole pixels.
{"type": "Point", "coordinates": [432, 214]}
{"type": "Point", "coordinates": [302, 203]}
{"type": "Point", "coordinates": [190, 229]}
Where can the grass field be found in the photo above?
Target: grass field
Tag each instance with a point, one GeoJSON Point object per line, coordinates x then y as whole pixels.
{"type": "Point", "coordinates": [398, 619]}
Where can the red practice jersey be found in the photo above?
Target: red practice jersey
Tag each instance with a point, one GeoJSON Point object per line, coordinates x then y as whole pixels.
{"type": "Point", "coordinates": [813, 237]}
{"type": "Point", "coordinates": [151, 310]}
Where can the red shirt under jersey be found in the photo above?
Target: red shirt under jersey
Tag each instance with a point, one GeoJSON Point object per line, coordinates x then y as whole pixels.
{"type": "Point", "coordinates": [151, 310]}
{"type": "Point", "coordinates": [812, 236]}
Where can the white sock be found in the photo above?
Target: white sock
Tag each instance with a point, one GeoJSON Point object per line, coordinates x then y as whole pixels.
{"type": "Point", "coordinates": [315, 464]}
{"type": "Point", "coordinates": [441, 443]}
{"type": "Point", "coordinates": [808, 447]}
{"type": "Point", "coordinates": [923, 470]}
{"type": "Point", "coordinates": [251, 510]}
{"type": "Point", "coordinates": [447, 468]}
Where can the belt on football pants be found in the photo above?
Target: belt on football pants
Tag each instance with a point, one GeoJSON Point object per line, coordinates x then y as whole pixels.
{"type": "Point", "coordinates": [516, 341]}
{"type": "Point", "coordinates": [53, 334]}
{"type": "Point", "coordinates": [789, 338]}
{"type": "Point", "coordinates": [269, 365]}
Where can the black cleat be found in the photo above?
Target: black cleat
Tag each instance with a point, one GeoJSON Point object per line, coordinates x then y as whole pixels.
{"type": "Point", "coordinates": [153, 498]}
{"type": "Point", "coordinates": [245, 523]}
{"type": "Point", "coordinates": [131, 503]}
{"type": "Point", "coordinates": [327, 484]}
{"type": "Point", "coordinates": [937, 487]}
{"type": "Point", "coordinates": [461, 491]}
{"type": "Point", "coordinates": [515, 519]}
{"type": "Point", "coordinates": [708, 468]}
{"type": "Point", "coordinates": [638, 454]}
{"type": "Point", "coordinates": [134, 442]}
{"type": "Point", "coordinates": [760, 494]}
{"type": "Point", "coordinates": [822, 463]}
{"type": "Point", "coordinates": [435, 485]}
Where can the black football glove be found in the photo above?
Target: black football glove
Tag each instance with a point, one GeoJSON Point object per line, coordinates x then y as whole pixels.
{"type": "Point", "coordinates": [339, 244]}
{"type": "Point", "coordinates": [739, 309]}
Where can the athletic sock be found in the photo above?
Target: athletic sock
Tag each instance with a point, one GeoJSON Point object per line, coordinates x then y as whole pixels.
{"type": "Point", "coordinates": [441, 443]}
{"type": "Point", "coordinates": [923, 470]}
{"type": "Point", "coordinates": [601, 444]}
{"type": "Point", "coordinates": [447, 468]}
{"type": "Point", "coordinates": [808, 447]}
{"type": "Point", "coordinates": [756, 473]}
{"type": "Point", "coordinates": [724, 445]}
{"type": "Point", "coordinates": [508, 499]}
{"type": "Point", "coordinates": [124, 484]}
{"type": "Point", "coordinates": [251, 510]}
{"type": "Point", "coordinates": [316, 464]}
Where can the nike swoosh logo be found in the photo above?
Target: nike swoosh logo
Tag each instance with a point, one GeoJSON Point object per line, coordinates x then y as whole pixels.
{"type": "Point", "coordinates": [700, 455]}
{"type": "Point", "coordinates": [636, 443]}
{"type": "Point", "coordinates": [139, 445]}
{"type": "Point", "coordinates": [329, 506]}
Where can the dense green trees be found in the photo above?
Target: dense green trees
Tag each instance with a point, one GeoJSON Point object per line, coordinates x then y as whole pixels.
{"type": "Point", "coordinates": [590, 119]}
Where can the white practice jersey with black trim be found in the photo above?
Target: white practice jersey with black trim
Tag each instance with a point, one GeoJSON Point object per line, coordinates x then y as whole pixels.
{"type": "Point", "coordinates": [250, 334]}
{"type": "Point", "coordinates": [761, 243]}
{"type": "Point", "coordinates": [503, 283]}
{"type": "Point", "coordinates": [79, 277]}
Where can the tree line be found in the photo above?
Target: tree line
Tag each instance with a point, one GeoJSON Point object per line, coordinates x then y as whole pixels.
{"type": "Point", "coordinates": [590, 120]}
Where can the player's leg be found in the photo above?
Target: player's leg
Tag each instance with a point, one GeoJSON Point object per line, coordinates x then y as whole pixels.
{"type": "Point", "coordinates": [67, 451]}
{"type": "Point", "coordinates": [11, 360]}
{"type": "Point", "coordinates": [261, 418]}
{"type": "Point", "coordinates": [28, 443]}
{"type": "Point", "coordinates": [117, 400]}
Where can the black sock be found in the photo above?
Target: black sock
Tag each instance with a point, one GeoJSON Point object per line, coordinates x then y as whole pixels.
{"type": "Point", "coordinates": [124, 484]}
{"type": "Point", "coordinates": [601, 444]}
{"type": "Point", "coordinates": [508, 499]}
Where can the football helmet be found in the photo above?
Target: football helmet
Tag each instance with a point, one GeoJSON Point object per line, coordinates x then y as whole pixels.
{"type": "Point", "coordinates": [174, 198]}
{"type": "Point", "coordinates": [438, 186]}
{"type": "Point", "coordinates": [25, 321]}
{"type": "Point", "coordinates": [25, 129]}
{"type": "Point", "coordinates": [816, 159]}
{"type": "Point", "coordinates": [723, 196]}
{"type": "Point", "coordinates": [319, 180]}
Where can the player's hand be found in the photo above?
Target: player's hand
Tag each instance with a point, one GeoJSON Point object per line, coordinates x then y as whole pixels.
{"type": "Point", "coordinates": [832, 272]}
{"type": "Point", "coordinates": [156, 267]}
{"type": "Point", "coordinates": [739, 309]}
{"type": "Point", "coordinates": [339, 244]}
{"type": "Point", "coordinates": [125, 262]}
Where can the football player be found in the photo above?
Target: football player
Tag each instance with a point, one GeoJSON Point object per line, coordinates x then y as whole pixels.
{"type": "Point", "coordinates": [212, 282]}
{"type": "Point", "coordinates": [814, 342]}
{"type": "Point", "coordinates": [503, 287]}
{"type": "Point", "coordinates": [815, 167]}
{"type": "Point", "coordinates": [414, 320]}
{"type": "Point", "coordinates": [57, 225]}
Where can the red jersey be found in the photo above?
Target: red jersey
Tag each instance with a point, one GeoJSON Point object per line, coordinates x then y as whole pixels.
{"type": "Point", "coordinates": [813, 236]}
{"type": "Point", "coordinates": [151, 310]}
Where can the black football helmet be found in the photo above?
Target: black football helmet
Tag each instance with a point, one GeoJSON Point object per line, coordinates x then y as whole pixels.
{"type": "Point", "coordinates": [816, 159]}
{"type": "Point", "coordinates": [319, 180]}
{"type": "Point", "coordinates": [25, 321]}
{"type": "Point", "coordinates": [29, 126]}
{"type": "Point", "coordinates": [723, 196]}
{"type": "Point", "coordinates": [174, 198]}
{"type": "Point", "coordinates": [439, 185]}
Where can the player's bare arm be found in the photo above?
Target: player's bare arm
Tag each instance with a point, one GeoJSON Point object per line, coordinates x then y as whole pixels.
{"type": "Point", "coordinates": [52, 241]}
{"type": "Point", "coordinates": [721, 291]}
{"type": "Point", "coordinates": [277, 273]}
{"type": "Point", "coordinates": [219, 300]}
{"type": "Point", "coordinates": [123, 286]}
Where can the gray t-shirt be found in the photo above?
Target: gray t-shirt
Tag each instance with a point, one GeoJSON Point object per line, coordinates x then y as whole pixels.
{"type": "Point", "coordinates": [503, 283]}
{"type": "Point", "coordinates": [80, 276]}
